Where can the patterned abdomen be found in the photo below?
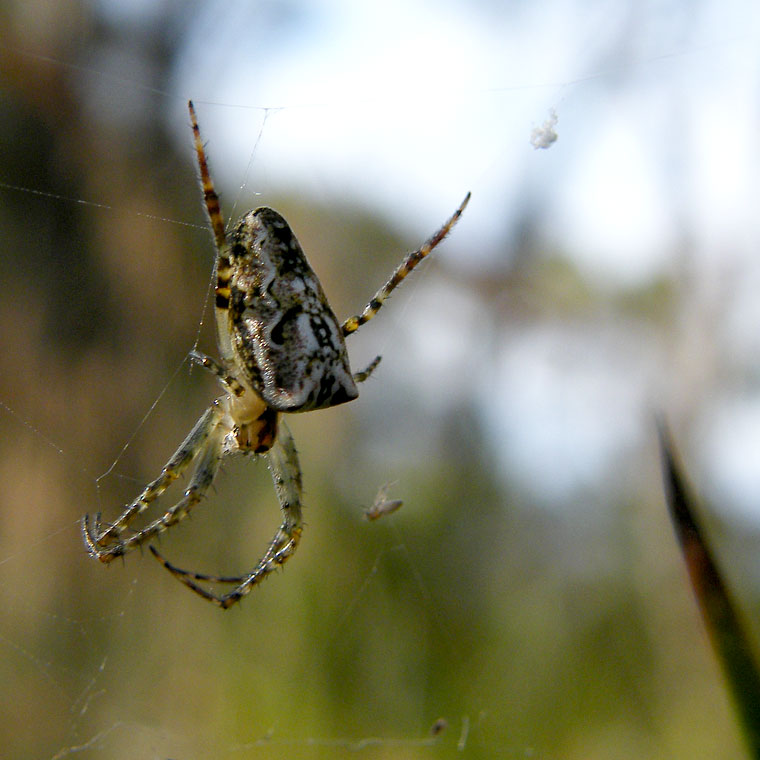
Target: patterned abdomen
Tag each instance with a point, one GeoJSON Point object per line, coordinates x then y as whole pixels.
{"type": "Point", "coordinates": [285, 336]}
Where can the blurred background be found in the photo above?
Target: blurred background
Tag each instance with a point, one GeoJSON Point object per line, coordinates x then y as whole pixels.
{"type": "Point", "coordinates": [530, 592]}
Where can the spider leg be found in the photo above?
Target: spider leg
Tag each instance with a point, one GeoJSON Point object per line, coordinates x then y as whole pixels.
{"type": "Point", "coordinates": [223, 267]}
{"type": "Point", "coordinates": [210, 198]}
{"type": "Point", "coordinates": [360, 377]}
{"type": "Point", "coordinates": [286, 473]}
{"type": "Point", "coordinates": [215, 368]}
{"type": "Point", "coordinates": [205, 439]}
{"type": "Point", "coordinates": [402, 270]}
{"type": "Point", "coordinates": [189, 575]}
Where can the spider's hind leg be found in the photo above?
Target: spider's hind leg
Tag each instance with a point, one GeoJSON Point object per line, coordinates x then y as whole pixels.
{"type": "Point", "coordinates": [286, 473]}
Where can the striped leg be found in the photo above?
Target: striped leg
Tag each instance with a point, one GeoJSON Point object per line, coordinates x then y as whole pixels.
{"type": "Point", "coordinates": [107, 545]}
{"type": "Point", "coordinates": [286, 473]}
{"type": "Point", "coordinates": [223, 268]}
{"type": "Point", "coordinates": [360, 377]}
{"type": "Point", "coordinates": [410, 262]}
{"type": "Point", "coordinates": [213, 366]}
{"type": "Point", "coordinates": [210, 198]}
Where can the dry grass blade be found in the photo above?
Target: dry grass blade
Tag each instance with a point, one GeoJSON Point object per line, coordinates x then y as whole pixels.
{"type": "Point", "coordinates": [722, 619]}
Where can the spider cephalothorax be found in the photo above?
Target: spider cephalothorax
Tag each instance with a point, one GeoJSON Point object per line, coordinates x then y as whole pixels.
{"type": "Point", "coordinates": [282, 350]}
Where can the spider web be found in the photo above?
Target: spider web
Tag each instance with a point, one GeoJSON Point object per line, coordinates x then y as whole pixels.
{"type": "Point", "coordinates": [473, 622]}
{"type": "Point", "coordinates": [85, 703]}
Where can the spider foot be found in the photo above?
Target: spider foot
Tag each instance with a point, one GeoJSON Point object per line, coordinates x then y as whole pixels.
{"type": "Point", "coordinates": [96, 541]}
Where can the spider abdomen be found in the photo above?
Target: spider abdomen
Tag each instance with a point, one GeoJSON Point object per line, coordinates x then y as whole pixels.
{"type": "Point", "coordinates": [285, 337]}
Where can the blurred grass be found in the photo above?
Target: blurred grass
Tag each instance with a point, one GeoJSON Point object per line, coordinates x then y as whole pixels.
{"type": "Point", "coordinates": [728, 632]}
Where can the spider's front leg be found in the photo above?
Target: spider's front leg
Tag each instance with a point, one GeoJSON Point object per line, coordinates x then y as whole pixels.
{"type": "Point", "coordinates": [286, 473]}
{"type": "Point", "coordinates": [206, 437]}
{"type": "Point", "coordinates": [352, 324]}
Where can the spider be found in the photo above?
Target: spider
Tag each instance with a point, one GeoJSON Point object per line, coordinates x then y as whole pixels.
{"type": "Point", "coordinates": [281, 351]}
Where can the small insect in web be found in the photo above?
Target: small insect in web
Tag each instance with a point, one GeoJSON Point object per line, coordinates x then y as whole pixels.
{"type": "Point", "coordinates": [382, 505]}
{"type": "Point", "coordinates": [282, 351]}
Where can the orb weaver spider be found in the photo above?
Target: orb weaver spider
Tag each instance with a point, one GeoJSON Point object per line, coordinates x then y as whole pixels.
{"type": "Point", "coordinates": [282, 350]}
